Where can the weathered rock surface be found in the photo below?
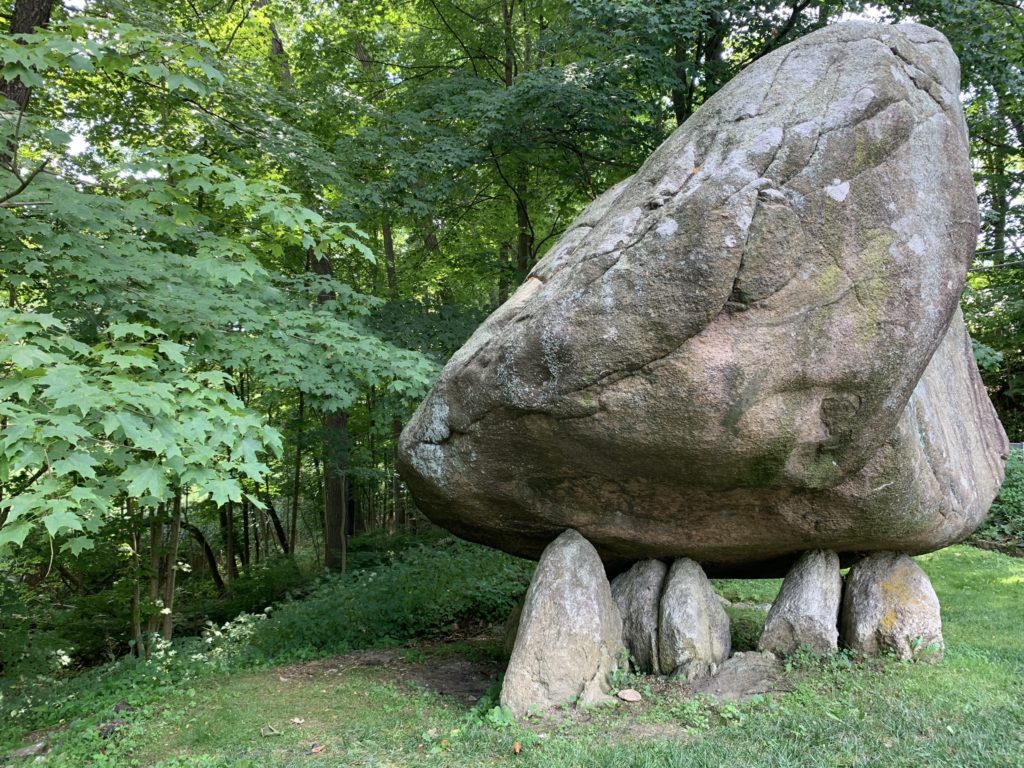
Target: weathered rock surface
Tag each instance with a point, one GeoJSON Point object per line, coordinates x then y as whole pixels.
{"type": "Point", "coordinates": [744, 675]}
{"type": "Point", "coordinates": [806, 612]}
{"type": "Point", "coordinates": [693, 628]}
{"type": "Point", "coordinates": [750, 348]}
{"type": "Point", "coordinates": [637, 593]}
{"type": "Point", "coordinates": [570, 632]}
{"type": "Point", "coordinates": [889, 605]}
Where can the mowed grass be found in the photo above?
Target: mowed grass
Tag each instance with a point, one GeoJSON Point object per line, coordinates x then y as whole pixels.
{"type": "Point", "coordinates": [966, 711]}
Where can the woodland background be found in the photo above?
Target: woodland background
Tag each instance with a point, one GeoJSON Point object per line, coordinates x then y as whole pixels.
{"type": "Point", "coordinates": [239, 238]}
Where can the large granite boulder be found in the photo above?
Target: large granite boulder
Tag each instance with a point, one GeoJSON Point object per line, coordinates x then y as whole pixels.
{"type": "Point", "coordinates": [749, 349]}
{"type": "Point", "coordinates": [570, 633]}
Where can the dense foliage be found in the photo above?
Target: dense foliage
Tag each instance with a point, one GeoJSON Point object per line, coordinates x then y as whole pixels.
{"type": "Point", "coordinates": [238, 238]}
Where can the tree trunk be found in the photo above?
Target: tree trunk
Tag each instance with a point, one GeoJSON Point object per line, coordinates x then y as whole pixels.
{"type": "Point", "coordinates": [293, 538]}
{"type": "Point", "coordinates": [156, 531]}
{"type": "Point", "coordinates": [245, 533]}
{"type": "Point", "coordinates": [28, 15]}
{"type": "Point", "coordinates": [335, 449]}
{"type": "Point", "coordinates": [227, 523]}
{"type": "Point", "coordinates": [524, 234]}
{"type": "Point", "coordinates": [335, 491]}
{"type": "Point", "coordinates": [136, 604]}
{"type": "Point", "coordinates": [211, 556]}
{"type": "Point", "coordinates": [276, 520]}
{"type": "Point", "coordinates": [396, 481]}
{"type": "Point", "coordinates": [170, 570]}
{"type": "Point", "coordinates": [389, 259]}
{"type": "Point", "coordinates": [256, 538]}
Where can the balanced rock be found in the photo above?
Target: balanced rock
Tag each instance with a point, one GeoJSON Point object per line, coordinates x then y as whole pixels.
{"type": "Point", "coordinates": [637, 593]}
{"type": "Point", "coordinates": [889, 605]}
{"type": "Point", "coordinates": [693, 627]}
{"type": "Point", "coordinates": [806, 612]}
{"type": "Point", "coordinates": [751, 347]}
{"type": "Point", "coordinates": [570, 632]}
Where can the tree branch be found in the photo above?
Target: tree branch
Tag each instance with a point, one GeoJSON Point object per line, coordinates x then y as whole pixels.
{"type": "Point", "coordinates": [24, 182]}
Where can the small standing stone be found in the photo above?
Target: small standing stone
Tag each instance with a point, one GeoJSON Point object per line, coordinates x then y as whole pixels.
{"type": "Point", "coordinates": [889, 605]}
{"type": "Point", "coordinates": [806, 611]}
{"type": "Point", "coordinates": [693, 628]}
{"type": "Point", "coordinates": [570, 632]}
{"type": "Point", "coordinates": [637, 593]}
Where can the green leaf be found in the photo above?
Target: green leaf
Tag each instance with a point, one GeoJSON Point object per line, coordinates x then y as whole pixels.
{"type": "Point", "coordinates": [14, 533]}
{"type": "Point", "coordinates": [78, 545]}
{"type": "Point", "coordinates": [61, 519]}
{"type": "Point", "coordinates": [143, 479]}
{"type": "Point", "coordinates": [223, 490]}
{"type": "Point", "coordinates": [76, 461]}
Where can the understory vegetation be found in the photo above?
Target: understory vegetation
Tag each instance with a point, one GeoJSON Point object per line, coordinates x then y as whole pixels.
{"type": "Point", "coordinates": [239, 697]}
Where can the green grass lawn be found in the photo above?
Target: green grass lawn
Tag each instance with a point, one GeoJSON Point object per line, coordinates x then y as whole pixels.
{"type": "Point", "coordinates": [383, 708]}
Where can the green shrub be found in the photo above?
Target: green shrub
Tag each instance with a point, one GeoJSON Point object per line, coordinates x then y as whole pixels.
{"type": "Point", "coordinates": [424, 590]}
{"type": "Point", "coordinates": [1006, 518]}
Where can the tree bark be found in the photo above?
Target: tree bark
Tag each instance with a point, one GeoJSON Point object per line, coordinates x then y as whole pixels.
{"type": "Point", "coordinates": [28, 16]}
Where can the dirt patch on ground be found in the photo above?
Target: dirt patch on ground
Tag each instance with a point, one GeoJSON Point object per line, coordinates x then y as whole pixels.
{"type": "Point", "coordinates": [462, 665]}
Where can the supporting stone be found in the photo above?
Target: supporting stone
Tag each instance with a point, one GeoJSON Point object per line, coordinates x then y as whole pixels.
{"type": "Point", "coordinates": [637, 593]}
{"type": "Point", "coordinates": [693, 628]}
{"type": "Point", "coordinates": [806, 612]}
{"type": "Point", "coordinates": [889, 605]}
{"type": "Point", "coordinates": [570, 632]}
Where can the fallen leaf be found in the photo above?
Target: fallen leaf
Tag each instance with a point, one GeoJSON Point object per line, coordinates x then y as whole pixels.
{"type": "Point", "coordinates": [297, 721]}
{"type": "Point", "coordinates": [628, 694]}
{"type": "Point", "coordinates": [269, 730]}
{"type": "Point", "coordinates": [517, 748]}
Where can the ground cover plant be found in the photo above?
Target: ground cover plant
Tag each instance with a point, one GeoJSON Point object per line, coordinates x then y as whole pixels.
{"type": "Point", "coordinates": [433, 701]}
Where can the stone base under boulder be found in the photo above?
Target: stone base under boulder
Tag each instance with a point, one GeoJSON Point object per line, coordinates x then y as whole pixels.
{"type": "Point", "coordinates": [806, 612]}
{"type": "Point", "coordinates": [570, 632]}
{"type": "Point", "coordinates": [889, 605]}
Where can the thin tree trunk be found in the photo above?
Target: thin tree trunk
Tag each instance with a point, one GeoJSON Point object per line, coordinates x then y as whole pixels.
{"type": "Point", "coordinates": [389, 258]}
{"type": "Point", "coordinates": [227, 512]}
{"type": "Point", "coordinates": [335, 492]}
{"type": "Point", "coordinates": [211, 556]}
{"type": "Point", "coordinates": [170, 569]}
{"type": "Point", "coordinates": [336, 447]}
{"type": "Point", "coordinates": [524, 234]}
{"type": "Point", "coordinates": [245, 533]}
{"type": "Point", "coordinates": [296, 476]}
{"type": "Point", "coordinates": [156, 527]}
{"type": "Point", "coordinates": [256, 538]}
{"type": "Point", "coordinates": [396, 481]}
{"type": "Point", "coordinates": [276, 520]}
